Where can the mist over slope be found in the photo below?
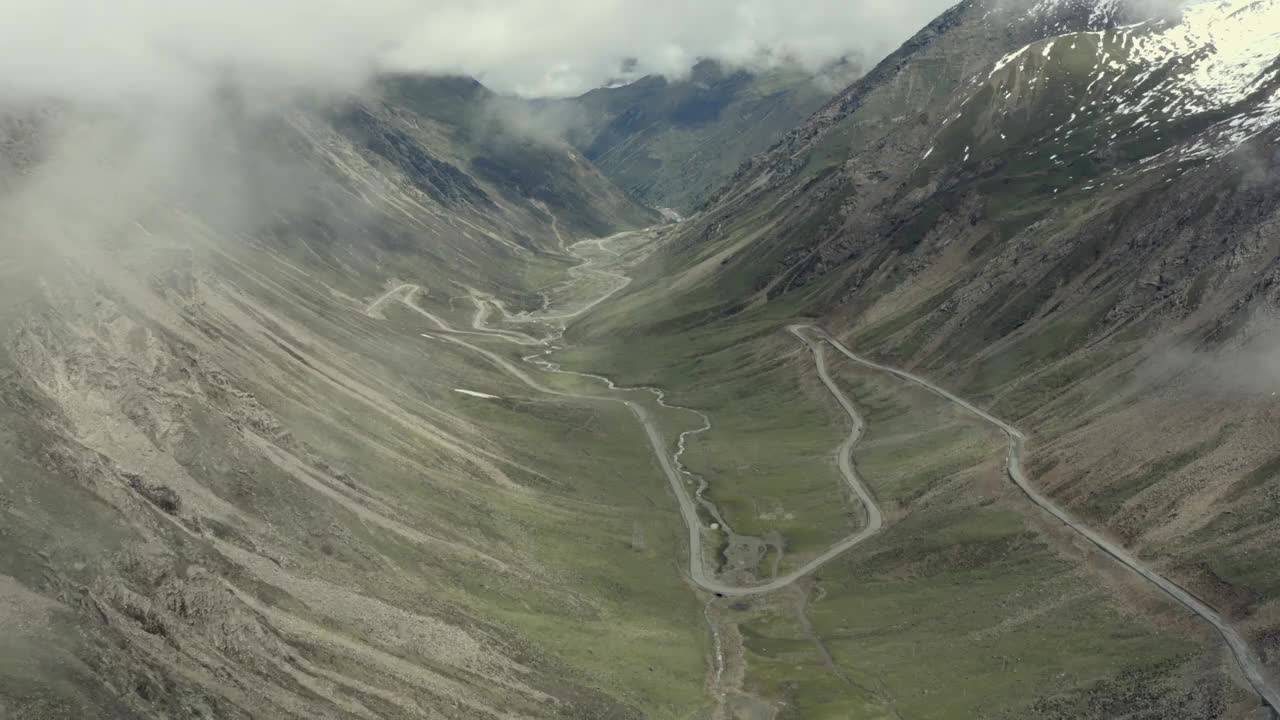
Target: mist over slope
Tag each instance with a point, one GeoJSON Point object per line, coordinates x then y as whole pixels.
{"type": "Point", "coordinates": [231, 487]}
{"type": "Point", "coordinates": [236, 478]}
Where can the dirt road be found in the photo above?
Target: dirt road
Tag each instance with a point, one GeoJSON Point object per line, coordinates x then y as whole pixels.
{"type": "Point", "coordinates": [1249, 663]}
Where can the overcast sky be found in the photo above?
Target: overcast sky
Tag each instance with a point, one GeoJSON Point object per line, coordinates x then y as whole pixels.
{"type": "Point", "coordinates": [168, 48]}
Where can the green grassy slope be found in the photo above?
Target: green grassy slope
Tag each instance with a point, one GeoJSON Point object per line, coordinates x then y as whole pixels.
{"type": "Point", "coordinates": [965, 607]}
{"type": "Point", "coordinates": [1017, 231]}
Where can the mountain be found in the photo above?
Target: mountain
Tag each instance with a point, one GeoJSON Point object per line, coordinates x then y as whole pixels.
{"type": "Point", "coordinates": [524, 165]}
{"type": "Point", "coordinates": [955, 399]}
{"type": "Point", "coordinates": [236, 480]}
{"type": "Point", "coordinates": [1065, 212]}
{"type": "Point", "coordinates": [671, 142]}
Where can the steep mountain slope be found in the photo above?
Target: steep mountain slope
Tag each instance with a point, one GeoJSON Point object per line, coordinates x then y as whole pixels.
{"type": "Point", "coordinates": [523, 165]}
{"type": "Point", "coordinates": [1067, 212]}
{"type": "Point", "coordinates": [237, 481]}
{"type": "Point", "coordinates": [670, 143]}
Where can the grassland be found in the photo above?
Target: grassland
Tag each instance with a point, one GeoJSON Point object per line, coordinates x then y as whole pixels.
{"type": "Point", "coordinates": [769, 456]}
{"type": "Point", "coordinates": [624, 620]}
{"type": "Point", "coordinates": [968, 605]}
{"type": "Point", "coordinates": [963, 607]}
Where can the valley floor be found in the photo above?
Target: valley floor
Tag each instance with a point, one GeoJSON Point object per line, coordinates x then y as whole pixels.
{"type": "Point", "coordinates": [425, 503]}
{"type": "Point", "coordinates": [740, 598]}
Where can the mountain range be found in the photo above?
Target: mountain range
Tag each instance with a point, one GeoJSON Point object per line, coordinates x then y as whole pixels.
{"type": "Point", "coordinates": [948, 393]}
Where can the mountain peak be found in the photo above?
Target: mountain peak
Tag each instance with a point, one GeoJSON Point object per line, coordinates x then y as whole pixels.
{"type": "Point", "coordinates": [1199, 84]}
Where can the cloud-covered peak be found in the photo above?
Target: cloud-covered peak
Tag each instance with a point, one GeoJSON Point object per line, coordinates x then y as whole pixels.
{"type": "Point", "coordinates": [130, 48]}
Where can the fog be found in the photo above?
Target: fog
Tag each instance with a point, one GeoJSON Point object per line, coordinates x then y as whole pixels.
{"type": "Point", "coordinates": [543, 123]}
{"type": "Point", "coordinates": [561, 47]}
{"type": "Point", "coordinates": [159, 50]}
{"type": "Point", "coordinates": [110, 110]}
{"type": "Point", "coordinates": [1246, 367]}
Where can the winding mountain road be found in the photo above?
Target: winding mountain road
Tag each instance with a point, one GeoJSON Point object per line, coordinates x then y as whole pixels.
{"type": "Point", "coordinates": [1249, 663]}
{"type": "Point", "coordinates": [688, 507]}
{"type": "Point", "coordinates": [844, 460]}
{"type": "Point", "coordinates": [577, 272]}
{"type": "Point", "coordinates": [815, 339]}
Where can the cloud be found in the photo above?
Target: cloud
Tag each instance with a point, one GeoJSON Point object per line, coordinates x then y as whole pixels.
{"type": "Point", "coordinates": [544, 123]}
{"type": "Point", "coordinates": [134, 50]}
{"type": "Point", "coordinates": [112, 111]}
{"type": "Point", "coordinates": [560, 47]}
{"type": "Point", "coordinates": [146, 50]}
{"type": "Point", "coordinates": [1247, 365]}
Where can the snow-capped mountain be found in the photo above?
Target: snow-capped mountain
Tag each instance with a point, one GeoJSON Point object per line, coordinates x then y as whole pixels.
{"type": "Point", "coordinates": [1205, 80]}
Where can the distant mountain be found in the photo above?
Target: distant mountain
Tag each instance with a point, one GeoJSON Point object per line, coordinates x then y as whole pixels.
{"type": "Point", "coordinates": [671, 142]}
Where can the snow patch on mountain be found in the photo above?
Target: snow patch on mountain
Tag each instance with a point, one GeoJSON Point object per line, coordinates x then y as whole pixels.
{"type": "Point", "coordinates": [1155, 74]}
{"type": "Point", "coordinates": [1230, 44]}
{"type": "Point", "coordinates": [1221, 54]}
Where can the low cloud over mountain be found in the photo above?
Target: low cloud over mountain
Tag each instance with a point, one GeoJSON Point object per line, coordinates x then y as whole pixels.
{"type": "Point", "coordinates": [152, 47]}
